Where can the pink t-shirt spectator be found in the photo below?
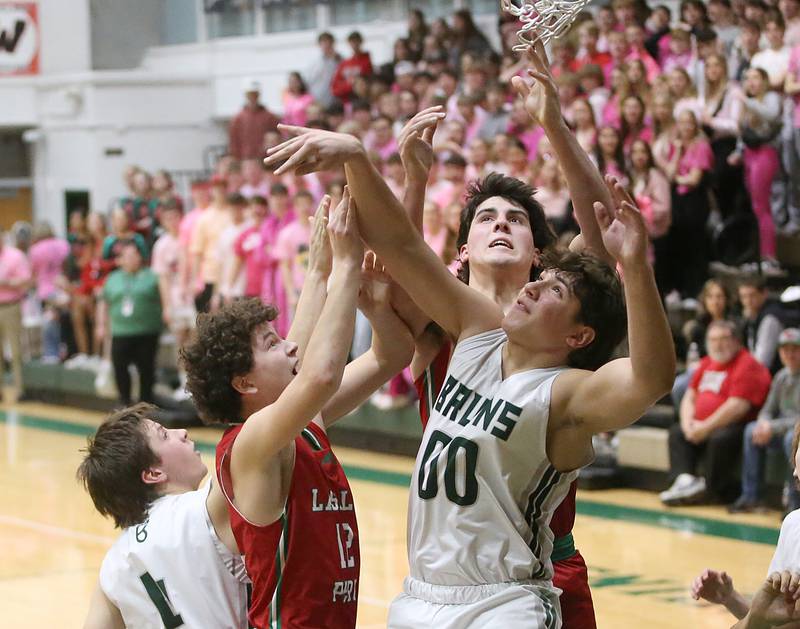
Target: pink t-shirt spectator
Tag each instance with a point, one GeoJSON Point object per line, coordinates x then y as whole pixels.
{"type": "Point", "coordinates": [249, 190]}
{"type": "Point", "coordinates": [13, 266]}
{"type": "Point", "coordinates": [292, 248]}
{"type": "Point", "coordinates": [186, 228]}
{"type": "Point", "coordinates": [697, 155]}
{"type": "Point", "coordinates": [166, 263]}
{"type": "Point", "coordinates": [651, 68]}
{"type": "Point", "coordinates": [645, 133]}
{"type": "Point", "coordinates": [794, 68]}
{"type": "Point", "coordinates": [294, 108]}
{"type": "Point", "coordinates": [47, 259]}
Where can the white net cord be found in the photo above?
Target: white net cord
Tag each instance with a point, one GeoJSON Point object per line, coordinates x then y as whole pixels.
{"type": "Point", "coordinates": [543, 20]}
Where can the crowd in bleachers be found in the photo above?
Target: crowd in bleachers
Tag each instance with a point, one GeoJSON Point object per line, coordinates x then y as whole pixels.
{"type": "Point", "coordinates": [697, 113]}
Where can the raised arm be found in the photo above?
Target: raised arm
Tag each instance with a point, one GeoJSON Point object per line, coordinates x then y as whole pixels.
{"type": "Point", "coordinates": [391, 349]}
{"type": "Point", "coordinates": [416, 153]}
{"type": "Point", "coordinates": [268, 431]}
{"type": "Point", "coordinates": [618, 393]}
{"type": "Point", "coordinates": [312, 296]}
{"type": "Point", "coordinates": [584, 182]}
{"type": "Point", "coordinates": [388, 231]}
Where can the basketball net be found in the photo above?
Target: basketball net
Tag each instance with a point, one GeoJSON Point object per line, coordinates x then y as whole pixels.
{"type": "Point", "coordinates": [543, 20]}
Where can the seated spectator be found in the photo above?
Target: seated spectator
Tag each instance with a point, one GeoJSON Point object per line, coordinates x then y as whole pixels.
{"type": "Point", "coordinates": [761, 326]}
{"type": "Point", "coordinates": [588, 35]}
{"type": "Point", "coordinates": [380, 138]}
{"type": "Point", "coordinates": [680, 54]}
{"type": "Point", "coordinates": [552, 193]}
{"type": "Point", "coordinates": [714, 304]}
{"type": "Point", "coordinates": [726, 391]}
{"type": "Point", "coordinates": [592, 84]}
{"type": "Point", "coordinates": [132, 317]}
{"type": "Point", "coordinates": [774, 428]}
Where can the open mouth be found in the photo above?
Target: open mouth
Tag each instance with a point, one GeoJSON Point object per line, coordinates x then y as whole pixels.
{"type": "Point", "coordinates": [500, 243]}
{"type": "Point", "coordinates": [522, 306]}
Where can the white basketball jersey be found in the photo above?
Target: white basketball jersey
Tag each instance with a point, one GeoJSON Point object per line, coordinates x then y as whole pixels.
{"type": "Point", "coordinates": [173, 571]}
{"type": "Point", "coordinates": [483, 489]}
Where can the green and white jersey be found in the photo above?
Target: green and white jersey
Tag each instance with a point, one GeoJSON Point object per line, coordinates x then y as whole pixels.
{"type": "Point", "coordinates": [483, 489]}
{"type": "Point", "coordinates": [173, 571]}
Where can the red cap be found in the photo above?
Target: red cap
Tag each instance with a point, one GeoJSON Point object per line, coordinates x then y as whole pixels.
{"type": "Point", "coordinates": [218, 180]}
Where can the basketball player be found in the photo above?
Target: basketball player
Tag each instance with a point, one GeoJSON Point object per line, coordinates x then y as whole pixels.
{"type": "Point", "coordinates": [169, 567]}
{"type": "Point", "coordinates": [289, 503]}
{"type": "Point", "coordinates": [524, 393]}
{"type": "Point", "coordinates": [502, 282]}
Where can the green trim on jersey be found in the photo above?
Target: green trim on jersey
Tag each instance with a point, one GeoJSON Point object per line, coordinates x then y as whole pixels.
{"type": "Point", "coordinates": [311, 439]}
{"type": "Point", "coordinates": [280, 561]}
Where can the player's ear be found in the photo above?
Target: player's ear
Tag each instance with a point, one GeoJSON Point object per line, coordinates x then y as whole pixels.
{"type": "Point", "coordinates": [243, 385]}
{"type": "Point", "coordinates": [463, 254]}
{"type": "Point", "coordinates": [153, 476]}
{"type": "Point", "coordinates": [582, 337]}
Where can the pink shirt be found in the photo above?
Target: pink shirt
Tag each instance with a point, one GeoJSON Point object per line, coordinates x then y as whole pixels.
{"type": "Point", "coordinates": [794, 68]}
{"type": "Point", "coordinates": [47, 259]}
{"type": "Point", "coordinates": [294, 108]}
{"type": "Point", "coordinates": [186, 227]}
{"type": "Point", "coordinates": [166, 262]}
{"type": "Point", "coordinates": [13, 266]}
{"type": "Point", "coordinates": [697, 155]}
{"type": "Point", "coordinates": [292, 248]}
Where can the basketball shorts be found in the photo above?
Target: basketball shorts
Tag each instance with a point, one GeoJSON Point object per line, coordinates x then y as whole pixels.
{"type": "Point", "coordinates": [529, 604]}
{"type": "Point", "coordinates": [571, 577]}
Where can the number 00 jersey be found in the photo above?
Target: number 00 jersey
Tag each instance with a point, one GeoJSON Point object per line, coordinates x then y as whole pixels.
{"type": "Point", "coordinates": [173, 571]}
{"type": "Point", "coordinates": [483, 489]}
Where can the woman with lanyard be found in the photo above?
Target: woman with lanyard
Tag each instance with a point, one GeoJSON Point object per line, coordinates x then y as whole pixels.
{"type": "Point", "coordinates": [133, 309]}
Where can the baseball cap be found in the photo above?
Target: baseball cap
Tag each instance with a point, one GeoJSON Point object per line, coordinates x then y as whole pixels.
{"type": "Point", "coordinates": [790, 336]}
{"type": "Point", "coordinates": [251, 85]}
{"type": "Point", "coordinates": [218, 180]}
{"type": "Point", "coordinates": [404, 67]}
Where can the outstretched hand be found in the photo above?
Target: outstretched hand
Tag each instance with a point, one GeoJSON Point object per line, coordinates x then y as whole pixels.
{"type": "Point", "coordinates": [343, 231]}
{"type": "Point", "coordinates": [319, 249]}
{"type": "Point", "coordinates": [712, 586]}
{"type": "Point", "coordinates": [311, 150]}
{"type": "Point", "coordinates": [540, 97]}
{"type": "Point", "coordinates": [416, 143]}
{"type": "Point", "coordinates": [623, 228]}
{"type": "Point", "coordinates": [376, 286]}
{"type": "Point", "coordinates": [777, 601]}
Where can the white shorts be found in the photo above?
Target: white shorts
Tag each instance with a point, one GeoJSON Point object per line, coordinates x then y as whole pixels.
{"type": "Point", "coordinates": [519, 604]}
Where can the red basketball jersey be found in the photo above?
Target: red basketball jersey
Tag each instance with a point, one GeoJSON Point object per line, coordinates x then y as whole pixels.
{"type": "Point", "coordinates": [305, 566]}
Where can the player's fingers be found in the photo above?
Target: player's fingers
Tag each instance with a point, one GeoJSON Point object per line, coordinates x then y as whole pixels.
{"type": "Point", "coordinates": [427, 134]}
{"type": "Point", "coordinates": [425, 121]}
{"type": "Point", "coordinates": [604, 218]}
{"type": "Point", "coordinates": [298, 159]}
{"type": "Point", "coordinates": [293, 129]}
{"type": "Point", "coordinates": [794, 582]}
{"type": "Point", "coordinates": [519, 84]}
{"type": "Point", "coordinates": [286, 150]}
{"type": "Point", "coordinates": [281, 146]}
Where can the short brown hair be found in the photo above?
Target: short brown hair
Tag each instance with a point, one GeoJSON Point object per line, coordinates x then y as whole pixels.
{"type": "Point", "coordinates": [795, 443]}
{"type": "Point", "coordinates": [222, 350]}
{"type": "Point", "coordinates": [602, 303]}
{"type": "Point", "coordinates": [112, 469]}
{"type": "Point", "coordinates": [514, 191]}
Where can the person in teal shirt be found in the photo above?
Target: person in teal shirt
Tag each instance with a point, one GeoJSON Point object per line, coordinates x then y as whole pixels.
{"type": "Point", "coordinates": [132, 315]}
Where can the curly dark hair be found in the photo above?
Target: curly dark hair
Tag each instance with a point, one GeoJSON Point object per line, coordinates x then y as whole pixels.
{"type": "Point", "coordinates": [112, 469]}
{"type": "Point", "coordinates": [599, 291]}
{"type": "Point", "coordinates": [518, 193]}
{"type": "Point", "coordinates": [222, 350]}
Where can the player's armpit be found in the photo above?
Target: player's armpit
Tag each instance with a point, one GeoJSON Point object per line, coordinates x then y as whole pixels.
{"type": "Point", "coordinates": [611, 398]}
{"type": "Point", "coordinates": [103, 614]}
